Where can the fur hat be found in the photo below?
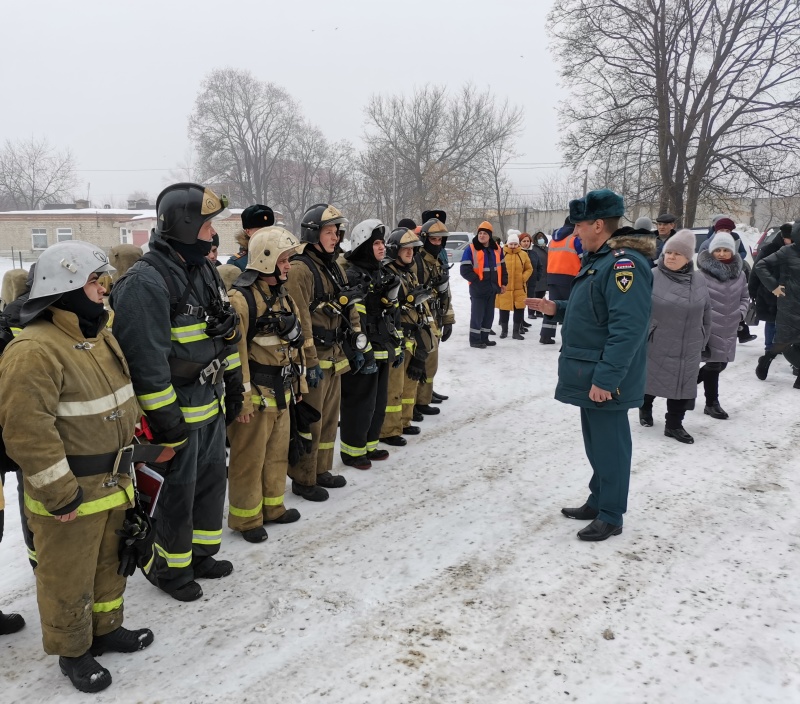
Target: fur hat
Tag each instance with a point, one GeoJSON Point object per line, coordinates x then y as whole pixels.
{"type": "Point", "coordinates": [643, 223]}
{"type": "Point", "coordinates": [513, 238]}
{"type": "Point", "coordinates": [257, 216]}
{"type": "Point", "coordinates": [722, 240]}
{"type": "Point", "coordinates": [436, 214]}
{"type": "Point", "coordinates": [596, 205]}
{"type": "Point", "coordinates": [725, 224]}
{"type": "Point", "coordinates": [408, 223]}
{"type": "Point", "coordinates": [487, 226]}
{"type": "Point", "coordinates": [683, 242]}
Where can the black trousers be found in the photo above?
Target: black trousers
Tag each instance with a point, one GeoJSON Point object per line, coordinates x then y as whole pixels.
{"type": "Point", "coordinates": [676, 410]}
{"type": "Point", "coordinates": [709, 376]}
{"type": "Point", "coordinates": [519, 317]}
{"type": "Point", "coordinates": [362, 410]}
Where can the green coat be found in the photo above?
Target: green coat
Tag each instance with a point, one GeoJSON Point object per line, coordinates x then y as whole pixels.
{"type": "Point", "coordinates": [606, 322]}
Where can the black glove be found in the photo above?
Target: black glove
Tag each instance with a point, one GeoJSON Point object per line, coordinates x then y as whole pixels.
{"type": "Point", "coordinates": [136, 544]}
{"type": "Point", "coordinates": [416, 370]}
{"type": "Point", "coordinates": [233, 408]}
{"type": "Point", "coordinates": [314, 376]}
{"type": "Point", "coordinates": [447, 330]}
{"type": "Point", "coordinates": [357, 362]}
{"type": "Point", "coordinates": [370, 367]}
{"type": "Point", "coordinates": [398, 360]}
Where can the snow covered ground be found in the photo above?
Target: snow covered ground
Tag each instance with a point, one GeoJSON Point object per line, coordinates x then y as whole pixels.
{"type": "Point", "coordinates": [447, 574]}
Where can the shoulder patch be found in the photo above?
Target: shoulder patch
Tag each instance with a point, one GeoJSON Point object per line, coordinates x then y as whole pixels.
{"type": "Point", "coordinates": [623, 264]}
{"type": "Point", "coordinates": [624, 280]}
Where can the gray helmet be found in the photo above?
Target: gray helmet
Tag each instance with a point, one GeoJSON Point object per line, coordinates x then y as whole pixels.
{"type": "Point", "coordinates": [62, 267]}
{"type": "Point", "coordinates": [365, 231]}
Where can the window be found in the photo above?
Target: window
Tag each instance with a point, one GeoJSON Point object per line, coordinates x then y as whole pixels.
{"type": "Point", "coordinates": [38, 238]}
{"type": "Point", "coordinates": [125, 235]}
{"type": "Point", "coordinates": [63, 234]}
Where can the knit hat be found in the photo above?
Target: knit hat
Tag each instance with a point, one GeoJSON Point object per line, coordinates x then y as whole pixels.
{"type": "Point", "coordinates": [513, 238]}
{"type": "Point", "coordinates": [682, 242]}
{"type": "Point", "coordinates": [486, 225]}
{"type": "Point", "coordinates": [643, 223]}
{"type": "Point", "coordinates": [725, 224]}
{"type": "Point", "coordinates": [408, 223]}
{"type": "Point", "coordinates": [722, 240]}
{"type": "Point", "coordinates": [786, 230]}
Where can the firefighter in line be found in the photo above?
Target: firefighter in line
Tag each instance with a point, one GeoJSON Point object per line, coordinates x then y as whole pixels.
{"type": "Point", "coordinates": [178, 331]}
{"type": "Point", "coordinates": [364, 392]}
{"type": "Point", "coordinates": [416, 322]}
{"type": "Point", "coordinates": [270, 350]}
{"type": "Point", "coordinates": [67, 427]}
{"type": "Point", "coordinates": [333, 342]}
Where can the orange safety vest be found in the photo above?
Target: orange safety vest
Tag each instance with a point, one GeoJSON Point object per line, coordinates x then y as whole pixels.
{"type": "Point", "coordinates": [562, 257]}
{"type": "Point", "coordinates": [478, 260]}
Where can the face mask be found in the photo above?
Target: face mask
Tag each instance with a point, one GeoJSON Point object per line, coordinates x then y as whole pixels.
{"type": "Point", "coordinates": [194, 253]}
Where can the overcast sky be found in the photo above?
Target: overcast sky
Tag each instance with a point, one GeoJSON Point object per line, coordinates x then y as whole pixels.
{"type": "Point", "coordinates": [116, 81]}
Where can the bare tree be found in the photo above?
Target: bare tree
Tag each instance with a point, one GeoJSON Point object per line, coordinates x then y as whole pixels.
{"type": "Point", "coordinates": [32, 173]}
{"type": "Point", "coordinates": [707, 90]}
{"type": "Point", "coordinates": [241, 129]}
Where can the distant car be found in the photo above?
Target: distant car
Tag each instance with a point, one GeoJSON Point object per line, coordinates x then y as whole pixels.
{"type": "Point", "coordinates": [767, 235]}
{"type": "Point", "coordinates": [454, 250]}
{"type": "Point", "coordinates": [460, 237]}
{"type": "Point", "coordinates": [700, 236]}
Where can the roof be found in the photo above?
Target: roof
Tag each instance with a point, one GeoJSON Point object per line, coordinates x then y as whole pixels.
{"type": "Point", "coordinates": [73, 212]}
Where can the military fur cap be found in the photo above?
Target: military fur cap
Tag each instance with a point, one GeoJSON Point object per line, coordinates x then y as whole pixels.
{"type": "Point", "coordinates": [257, 216]}
{"type": "Point", "coordinates": [596, 205]}
{"type": "Point", "coordinates": [437, 214]}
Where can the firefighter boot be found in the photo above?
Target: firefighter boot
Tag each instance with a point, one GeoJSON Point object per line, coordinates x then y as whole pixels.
{"type": "Point", "coordinates": [85, 673]}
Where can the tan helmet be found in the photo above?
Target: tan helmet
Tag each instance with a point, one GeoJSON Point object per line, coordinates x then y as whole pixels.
{"type": "Point", "coordinates": [266, 246]}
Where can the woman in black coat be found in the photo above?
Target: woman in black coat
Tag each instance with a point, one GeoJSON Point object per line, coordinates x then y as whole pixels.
{"type": "Point", "coordinates": [537, 251]}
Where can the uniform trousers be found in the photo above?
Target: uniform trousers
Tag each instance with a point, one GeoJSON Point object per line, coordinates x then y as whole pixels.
{"type": "Point", "coordinates": [363, 409]}
{"type": "Point", "coordinates": [558, 292]}
{"type": "Point", "coordinates": [257, 469]}
{"type": "Point", "coordinates": [77, 586]}
{"type": "Point", "coordinates": [607, 440]}
{"type": "Point", "coordinates": [480, 317]}
{"type": "Point", "coordinates": [425, 391]}
{"type": "Point", "coordinates": [409, 396]}
{"type": "Point", "coordinates": [188, 516]}
{"type": "Point", "coordinates": [325, 398]}
{"type": "Point", "coordinates": [393, 420]}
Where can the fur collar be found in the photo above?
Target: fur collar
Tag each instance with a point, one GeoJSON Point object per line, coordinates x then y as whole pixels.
{"type": "Point", "coordinates": [721, 271]}
{"type": "Point", "coordinates": [643, 244]}
{"type": "Point", "coordinates": [242, 240]}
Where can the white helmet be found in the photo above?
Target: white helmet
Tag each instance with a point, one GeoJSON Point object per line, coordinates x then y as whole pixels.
{"type": "Point", "coordinates": [366, 230]}
{"type": "Point", "coordinates": [266, 246]}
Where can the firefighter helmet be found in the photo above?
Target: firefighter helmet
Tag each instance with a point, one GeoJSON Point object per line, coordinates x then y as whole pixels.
{"type": "Point", "coordinates": [400, 238]}
{"type": "Point", "coordinates": [316, 217]}
{"type": "Point", "coordinates": [183, 208]}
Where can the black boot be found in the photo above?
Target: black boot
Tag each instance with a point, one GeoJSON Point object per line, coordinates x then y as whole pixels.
{"type": "Point", "coordinates": [411, 430]}
{"type": "Point", "coordinates": [289, 516]}
{"type": "Point", "coordinates": [255, 535]}
{"type": "Point", "coordinates": [427, 410]}
{"type": "Point", "coordinates": [646, 417]}
{"type": "Point", "coordinates": [85, 673]}
{"type": "Point", "coordinates": [546, 341]}
{"type": "Point", "coordinates": [395, 440]}
{"type": "Point", "coordinates": [599, 530]}
{"type": "Point", "coordinates": [331, 481]}
{"type": "Point", "coordinates": [439, 397]}
{"type": "Point", "coordinates": [517, 335]}
{"type": "Point", "coordinates": [417, 416]}
{"type": "Point", "coordinates": [209, 568]}
{"type": "Point", "coordinates": [309, 493]}
{"type": "Point", "coordinates": [361, 462]}
{"type": "Point", "coordinates": [796, 384]}
{"type": "Point", "coordinates": [583, 513]}
{"type": "Point", "coordinates": [191, 591]}
{"type": "Point", "coordinates": [762, 368]}
{"type": "Point", "coordinates": [743, 333]}
{"type": "Point", "coordinates": [503, 332]}
{"type": "Point", "coordinates": [121, 641]}
{"type": "Point", "coordinates": [715, 411]}
{"type": "Point", "coordinates": [10, 623]}
{"type": "Point", "coordinates": [679, 434]}
{"type": "Point", "coordinates": [478, 345]}
{"type": "Point", "coordinates": [377, 455]}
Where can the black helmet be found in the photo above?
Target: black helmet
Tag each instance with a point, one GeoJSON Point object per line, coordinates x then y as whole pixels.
{"type": "Point", "coordinates": [183, 208]}
{"type": "Point", "coordinates": [400, 238]}
{"type": "Point", "coordinates": [316, 217]}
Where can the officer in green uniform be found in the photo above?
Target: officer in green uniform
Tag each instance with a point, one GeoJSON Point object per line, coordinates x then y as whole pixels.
{"type": "Point", "coordinates": [602, 366]}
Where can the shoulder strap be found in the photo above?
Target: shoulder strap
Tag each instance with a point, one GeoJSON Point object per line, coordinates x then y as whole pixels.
{"type": "Point", "coordinates": [318, 287]}
{"type": "Point", "coordinates": [176, 302]}
{"type": "Point", "coordinates": [251, 310]}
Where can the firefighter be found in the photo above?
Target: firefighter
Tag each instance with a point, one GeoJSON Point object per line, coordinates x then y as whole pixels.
{"type": "Point", "coordinates": [434, 274]}
{"type": "Point", "coordinates": [254, 217]}
{"type": "Point", "coordinates": [416, 322]}
{"type": "Point", "coordinates": [333, 342]}
{"type": "Point", "coordinates": [68, 417]}
{"type": "Point", "coordinates": [270, 350]}
{"type": "Point", "coordinates": [178, 331]}
{"type": "Point", "coordinates": [364, 392]}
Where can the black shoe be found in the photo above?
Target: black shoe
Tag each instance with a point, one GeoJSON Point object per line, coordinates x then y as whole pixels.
{"type": "Point", "coordinates": [209, 568]}
{"type": "Point", "coordinates": [255, 535]}
{"type": "Point", "coordinates": [503, 333]}
{"type": "Point", "coordinates": [85, 673]}
{"type": "Point", "coordinates": [796, 384]}
{"type": "Point", "coordinates": [378, 455]}
{"type": "Point", "coordinates": [715, 411]}
{"type": "Point", "coordinates": [309, 493]}
{"type": "Point", "coordinates": [121, 641]}
{"type": "Point", "coordinates": [546, 341]}
{"type": "Point", "coordinates": [427, 410]}
{"type": "Point", "coordinates": [396, 440]}
{"type": "Point", "coordinates": [526, 326]}
{"type": "Point", "coordinates": [599, 530]}
{"type": "Point", "coordinates": [10, 623]}
{"type": "Point", "coordinates": [191, 591]}
{"type": "Point", "coordinates": [746, 337]}
{"type": "Point", "coordinates": [490, 343]}
{"type": "Point", "coordinates": [289, 516]}
{"type": "Point", "coordinates": [478, 345]}
{"type": "Point", "coordinates": [584, 513]}
{"type": "Point", "coordinates": [411, 430]}
{"type": "Point", "coordinates": [645, 418]}
{"type": "Point", "coordinates": [762, 368]}
{"type": "Point", "coordinates": [435, 400]}
{"type": "Point", "coordinates": [361, 462]}
{"type": "Point", "coordinates": [417, 416]}
{"type": "Point", "coordinates": [679, 434]}
{"type": "Point", "coordinates": [439, 397]}
{"type": "Point", "coordinates": [331, 481]}
{"type": "Point", "coordinates": [517, 336]}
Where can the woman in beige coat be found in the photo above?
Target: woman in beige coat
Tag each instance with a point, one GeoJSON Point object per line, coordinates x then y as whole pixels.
{"type": "Point", "coordinates": [519, 268]}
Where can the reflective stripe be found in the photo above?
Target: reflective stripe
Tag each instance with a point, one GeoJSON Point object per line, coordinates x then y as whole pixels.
{"type": "Point", "coordinates": [189, 333]}
{"type": "Point", "coordinates": [233, 361]}
{"type": "Point", "coordinates": [394, 409]}
{"type": "Point", "coordinates": [207, 537]}
{"type": "Point", "coordinates": [381, 354]}
{"type": "Point", "coordinates": [70, 409]}
{"type": "Point", "coordinates": [273, 500]}
{"type": "Point", "coordinates": [16, 331]}
{"type": "Point", "coordinates": [196, 414]}
{"type": "Point", "coordinates": [159, 399]}
{"type": "Point", "coordinates": [353, 451]}
{"type": "Point", "coordinates": [269, 401]}
{"type": "Point", "coordinates": [326, 446]}
{"type": "Point", "coordinates": [50, 475]}
{"type": "Point", "coordinates": [104, 607]}
{"type": "Point", "coordinates": [408, 401]}
{"type": "Point", "coordinates": [410, 345]}
{"type": "Point", "coordinates": [372, 445]}
{"type": "Point", "coordinates": [32, 555]}
{"type": "Point", "coordinates": [327, 364]}
{"type": "Point", "coordinates": [118, 498]}
{"type": "Point", "coordinates": [149, 564]}
{"type": "Point", "coordinates": [361, 308]}
{"type": "Point", "coordinates": [244, 512]}
{"type": "Point", "coordinates": [176, 560]}
{"type": "Point", "coordinates": [305, 436]}
{"type": "Point", "coordinates": [368, 348]}
{"type": "Point", "coordinates": [174, 444]}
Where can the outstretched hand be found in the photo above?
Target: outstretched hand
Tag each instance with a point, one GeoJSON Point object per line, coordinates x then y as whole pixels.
{"type": "Point", "coordinates": [542, 305]}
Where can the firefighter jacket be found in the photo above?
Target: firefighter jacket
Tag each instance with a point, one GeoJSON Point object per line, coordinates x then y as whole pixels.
{"type": "Point", "coordinates": [415, 316]}
{"type": "Point", "coordinates": [269, 363]}
{"type": "Point", "coordinates": [315, 284]}
{"type": "Point", "coordinates": [68, 408]}
{"type": "Point", "coordinates": [166, 350]}
{"type": "Point", "coordinates": [434, 274]}
{"type": "Point", "coordinates": [380, 316]}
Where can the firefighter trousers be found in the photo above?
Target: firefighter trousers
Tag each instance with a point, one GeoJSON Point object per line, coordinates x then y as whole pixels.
{"type": "Point", "coordinates": [188, 516]}
{"type": "Point", "coordinates": [257, 469]}
{"type": "Point", "coordinates": [326, 399]}
{"type": "Point", "coordinates": [393, 411]}
{"type": "Point", "coordinates": [425, 391]}
{"type": "Point", "coordinates": [77, 586]}
{"type": "Point", "coordinates": [363, 408]}
{"type": "Point", "coordinates": [409, 395]}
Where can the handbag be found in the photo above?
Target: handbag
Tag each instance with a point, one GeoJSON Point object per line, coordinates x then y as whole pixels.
{"type": "Point", "coordinates": [751, 316]}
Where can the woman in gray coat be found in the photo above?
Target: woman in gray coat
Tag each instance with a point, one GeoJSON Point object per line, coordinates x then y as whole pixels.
{"type": "Point", "coordinates": [727, 287]}
{"type": "Point", "coordinates": [680, 326]}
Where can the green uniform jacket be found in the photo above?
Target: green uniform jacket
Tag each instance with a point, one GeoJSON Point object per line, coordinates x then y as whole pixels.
{"type": "Point", "coordinates": [606, 321]}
